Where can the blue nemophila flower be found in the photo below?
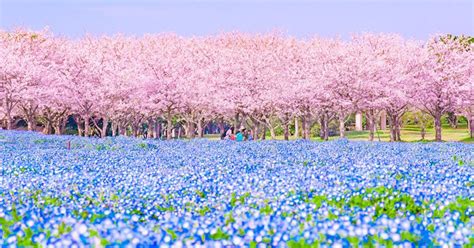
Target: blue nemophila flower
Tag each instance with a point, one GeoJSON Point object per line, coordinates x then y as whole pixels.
{"type": "Point", "coordinates": [124, 191]}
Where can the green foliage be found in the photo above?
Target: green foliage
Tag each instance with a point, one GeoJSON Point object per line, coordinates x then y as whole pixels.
{"type": "Point", "coordinates": [201, 194]}
{"type": "Point", "coordinates": [332, 216]}
{"type": "Point", "coordinates": [266, 210]}
{"type": "Point", "coordinates": [165, 209]}
{"type": "Point", "coordinates": [52, 201]}
{"type": "Point", "coordinates": [470, 244]}
{"type": "Point", "coordinates": [266, 240]}
{"type": "Point", "coordinates": [408, 236]}
{"type": "Point", "coordinates": [220, 235]}
{"type": "Point", "coordinates": [459, 161]}
{"type": "Point", "coordinates": [302, 243]}
{"type": "Point", "coordinates": [26, 240]}
{"type": "Point", "coordinates": [386, 202]}
{"type": "Point", "coordinates": [233, 200]}
{"type": "Point", "coordinates": [167, 198]}
{"type": "Point", "coordinates": [318, 200]}
{"type": "Point", "coordinates": [229, 219]}
{"type": "Point", "coordinates": [353, 240]}
{"type": "Point", "coordinates": [100, 147]}
{"type": "Point", "coordinates": [6, 224]}
{"type": "Point", "coordinates": [143, 145]}
{"type": "Point", "coordinates": [96, 216]}
{"type": "Point", "coordinates": [80, 214]}
{"type": "Point", "coordinates": [399, 176]}
{"type": "Point", "coordinates": [430, 227]}
{"type": "Point", "coordinates": [93, 233]}
{"type": "Point", "coordinates": [172, 234]}
{"type": "Point", "coordinates": [203, 211]}
{"type": "Point", "coordinates": [104, 242]}
{"type": "Point", "coordinates": [63, 229]}
{"type": "Point", "coordinates": [244, 197]}
{"type": "Point", "coordinates": [40, 141]}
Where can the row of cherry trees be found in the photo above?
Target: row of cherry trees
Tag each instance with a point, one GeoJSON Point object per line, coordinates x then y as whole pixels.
{"type": "Point", "coordinates": [254, 80]}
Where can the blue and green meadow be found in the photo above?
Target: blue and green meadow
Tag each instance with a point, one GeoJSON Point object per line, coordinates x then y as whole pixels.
{"type": "Point", "coordinates": [67, 190]}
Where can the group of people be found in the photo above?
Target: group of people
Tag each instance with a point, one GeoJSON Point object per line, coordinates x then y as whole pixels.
{"type": "Point", "coordinates": [240, 135]}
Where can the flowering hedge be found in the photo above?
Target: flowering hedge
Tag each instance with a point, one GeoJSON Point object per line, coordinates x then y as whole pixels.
{"type": "Point", "coordinates": [65, 190]}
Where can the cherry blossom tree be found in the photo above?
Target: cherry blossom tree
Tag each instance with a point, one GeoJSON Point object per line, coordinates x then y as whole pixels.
{"type": "Point", "coordinates": [400, 60]}
{"type": "Point", "coordinates": [26, 57]}
{"type": "Point", "coordinates": [134, 85]}
{"type": "Point", "coordinates": [444, 79]}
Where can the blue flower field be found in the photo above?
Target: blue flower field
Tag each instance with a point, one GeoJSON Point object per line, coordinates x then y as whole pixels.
{"type": "Point", "coordinates": [67, 190]}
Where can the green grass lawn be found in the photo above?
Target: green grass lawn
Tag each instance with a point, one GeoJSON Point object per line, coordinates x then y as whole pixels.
{"type": "Point", "coordinates": [411, 135]}
{"type": "Point", "coordinates": [408, 134]}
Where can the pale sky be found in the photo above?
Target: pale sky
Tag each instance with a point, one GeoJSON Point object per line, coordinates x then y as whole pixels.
{"type": "Point", "coordinates": [302, 18]}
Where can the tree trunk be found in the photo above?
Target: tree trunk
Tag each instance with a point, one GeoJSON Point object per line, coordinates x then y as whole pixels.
{"type": "Point", "coordinates": [135, 129]}
{"type": "Point", "coordinates": [471, 125]}
{"type": "Point", "coordinates": [256, 130]}
{"type": "Point", "coordinates": [80, 131]}
{"type": "Point", "coordinates": [392, 119]}
{"type": "Point", "coordinates": [286, 130]}
{"type": "Point", "coordinates": [169, 128]}
{"type": "Point", "coordinates": [342, 127]}
{"type": "Point", "coordinates": [307, 128]}
{"type": "Point", "coordinates": [326, 128]}
{"type": "Point", "coordinates": [114, 128]}
{"type": "Point", "coordinates": [383, 120]}
{"type": "Point", "coordinates": [158, 129]}
{"type": "Point", "coordinates": [437, 120]}
{"type": "Point", "coordinates": [57, 129]}
{"type": "Point", "coordinates": [423, 132]}
{"type": "Point", "coordinates": [86, 126]}
{"type": "Point", "coordinates": [452, 119]}
{"type": "Point", "coordinates": [321, 127]}
{"type": "Point", "coordinates": [303, 127]}
{"type": "Point", "coordinates": [9, 121]}
{"type": "Point", "coordinates": [126, 128]}
{"type": "Point", "coordinates": [58, 126]}
{"type": "Point", "coordinates": [371, 124]}
{"type": "Point", "coordinates": [103, 131]}
{"type": "Point", "coordinates": [152, 128]}
{"type": "Point", "coordinates": [31, 124]}
{"type": "Point", "coordinates": [191, 130]}
{"type": "Point", "coordinates": [47, 128]}
{"type": "Point", "coordinates": [221, 127]}
{"type": "Point", "coordinates": [397, 129]}
{"type": "Point", "coordinates": [272, 132]}
{"type": "Point", "coordinates": [236, 123]}
{"type": "Point", "coordinates": [200, 128]}
{"type": "Point", "coordinates": [264, 132]}
{"type": "Point", "coordinates": [296, 128]}
{"type": "Point", "coordinates": [358, 120]}
{"type": "Point", "coordinates": [78, 121]}
{"type": "Point", "coordinates": [122, 129]}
